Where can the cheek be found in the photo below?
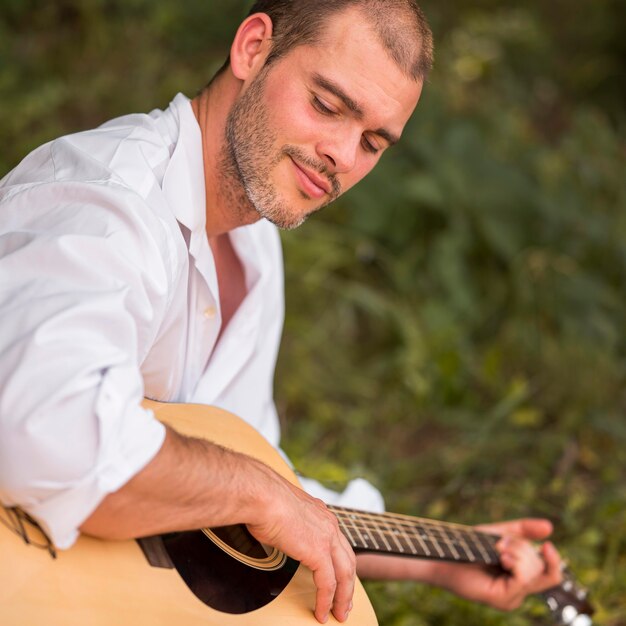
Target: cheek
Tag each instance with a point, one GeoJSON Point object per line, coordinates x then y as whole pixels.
{"type": "Point", "coordinates": [297, 125]}
{"type": "Point", "coordinates": [291, 116]}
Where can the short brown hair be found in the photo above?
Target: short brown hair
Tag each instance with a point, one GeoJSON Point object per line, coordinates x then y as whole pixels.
{"type": "Point", "coordinates": [400, 24]}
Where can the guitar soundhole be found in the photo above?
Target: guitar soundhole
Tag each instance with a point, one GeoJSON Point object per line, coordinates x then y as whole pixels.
{"type": "Point", "coordinates": [220, 581]}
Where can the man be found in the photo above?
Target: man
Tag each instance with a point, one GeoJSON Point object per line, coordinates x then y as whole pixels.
{"type": "Point", "coordinates": [140, 259]}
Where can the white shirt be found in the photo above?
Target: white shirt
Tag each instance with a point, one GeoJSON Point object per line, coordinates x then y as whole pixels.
{"type": "Point", "coordinates": [108, 292]}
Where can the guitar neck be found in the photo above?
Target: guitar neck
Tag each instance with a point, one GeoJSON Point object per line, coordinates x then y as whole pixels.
{"type": "Point", "coordinates": [403, 535]}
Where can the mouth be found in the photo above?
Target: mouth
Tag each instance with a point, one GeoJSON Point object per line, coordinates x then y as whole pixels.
{"type": "Point", "coordinates": [313, 184]}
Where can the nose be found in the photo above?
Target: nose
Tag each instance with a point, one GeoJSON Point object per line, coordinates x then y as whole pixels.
{"type": "Point", "coordinates": [339, 152]}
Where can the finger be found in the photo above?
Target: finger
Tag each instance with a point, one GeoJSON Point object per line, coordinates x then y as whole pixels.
{"type": "Point", "coordinates": [508, 560]}
{"type": "Point", "coordinates": [519, 557]}
{"type": "Point", "coordinates": [554, 565]}
{"type": "Point", "coordinates": [530, 528]}
{"type": "Point", "coordinates": [344, 562]}
{"type": "Point", "coordinates": [535, 528]}
{"type": "Point", "coordinates": [326, 584]}
{"type": "Point", "coordinates": [533, 570]}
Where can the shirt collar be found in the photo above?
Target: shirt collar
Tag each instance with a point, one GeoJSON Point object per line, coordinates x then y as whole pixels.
{"type": "Point", "coordinates": [183, 182]}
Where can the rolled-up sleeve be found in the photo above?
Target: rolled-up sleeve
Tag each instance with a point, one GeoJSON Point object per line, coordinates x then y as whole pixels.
{"type": "Point", "coordinates": [82, 287]}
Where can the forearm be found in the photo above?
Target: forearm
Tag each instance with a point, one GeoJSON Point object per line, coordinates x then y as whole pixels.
{"type": "Point", "coordinates": [385, 567]}
{"type": "Point", "coordinates": [438, 573]}
{"type": "Point", "coordinates": [190, 483]}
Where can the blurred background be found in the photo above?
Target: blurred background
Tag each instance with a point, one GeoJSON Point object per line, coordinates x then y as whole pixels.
{"type": "Point", "coordinates": [455, 328]}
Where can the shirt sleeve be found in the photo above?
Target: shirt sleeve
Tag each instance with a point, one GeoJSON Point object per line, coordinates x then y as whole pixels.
{"type": "Point", "coordinates": [81, 279]}
{"type": "Point", "coordinates": [358, 494]}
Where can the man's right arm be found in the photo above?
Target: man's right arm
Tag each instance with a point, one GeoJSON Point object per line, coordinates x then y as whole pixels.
{"type": "Point", "coordinates": [192, 483]}
{"type": "Point", "coordinates": [84, 286]}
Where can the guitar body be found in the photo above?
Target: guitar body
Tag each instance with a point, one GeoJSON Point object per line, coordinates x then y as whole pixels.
{"type": "Point", "coordinates": [99, 583]}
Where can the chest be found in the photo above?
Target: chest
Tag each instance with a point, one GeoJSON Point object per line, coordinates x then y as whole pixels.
{"type": "Point", "coordinates": [197, 349]}
{"type": "Point", "coordinates": [230, 277]}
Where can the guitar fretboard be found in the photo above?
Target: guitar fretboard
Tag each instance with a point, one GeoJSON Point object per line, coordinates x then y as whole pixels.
{"type": "Point", "coordinates": [411, 536]}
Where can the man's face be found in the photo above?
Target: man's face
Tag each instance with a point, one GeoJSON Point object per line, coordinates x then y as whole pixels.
{"type": "Point", "coordinates": [313, 124]}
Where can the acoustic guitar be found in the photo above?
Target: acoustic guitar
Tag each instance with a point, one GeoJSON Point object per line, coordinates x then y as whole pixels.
{"type": "Point", "coordinates": [219, 576]}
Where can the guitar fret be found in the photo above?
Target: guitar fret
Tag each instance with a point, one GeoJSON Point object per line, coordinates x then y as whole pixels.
{"type": "Point", "coordinates": [347, 531]}
{"type": "Point", "coordinates": [364, 534]}
{"type": "Point", "coordinates": [370, 533]}
{"type": "Point", "coordinates": [383, 535]}
{"type": "Point", "coordinates": [488, 542]}
{"type": "Point", "coordinates": [427, 538]}
{"type": "Point", "coordinates": [433, 541]}
{"type": "Point", "coordinates": [395, 538]}
{"type": "Point", "coordinates": [418, 534]}
{"type": "Point", "coordinates": [468, 552]}
{"type": "Point", "coordinates": [371, 537]}
{"type": "Point", "coordinates": [353, 518]}
{"type": "Point", "coordinates": [479, 544]}
{"type": "Point", "coordinates": [446, 537]}
{"type": "Point", "coordinates": [409, 543]}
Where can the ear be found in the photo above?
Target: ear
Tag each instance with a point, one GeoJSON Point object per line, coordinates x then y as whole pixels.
{"type": "Point", "coordinates": [251, 45]}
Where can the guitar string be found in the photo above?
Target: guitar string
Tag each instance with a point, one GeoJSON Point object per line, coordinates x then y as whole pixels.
{"type": "Point", "coordinates": [432, 535]}
{"type": "Point", "coordinates": [431, 529]}
{"type": "Point", "coordinates": [442, 529]}
{"type": "Point", "coordinates": [445, 546]}
{"type": "Point", "coordinates": [435, 533]}
{"type": "Point", "coordinates": [411, 534]}
{"type": "Point", "coordinates": [473, 552]}
{"type": "Point", "coordinates": [406, 519]}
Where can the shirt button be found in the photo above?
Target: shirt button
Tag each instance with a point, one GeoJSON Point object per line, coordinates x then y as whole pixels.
{"type": "Point", "coordinates": [209, 312]}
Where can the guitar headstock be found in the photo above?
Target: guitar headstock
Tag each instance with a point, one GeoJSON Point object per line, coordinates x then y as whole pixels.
{"type": "Point", "coordinates": [569, 603]}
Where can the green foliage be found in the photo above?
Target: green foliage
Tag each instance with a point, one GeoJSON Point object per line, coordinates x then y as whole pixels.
{"type": "Point", "coordinates": [458, 319]}
{"type": "Point", "coordinates": [455, 327]}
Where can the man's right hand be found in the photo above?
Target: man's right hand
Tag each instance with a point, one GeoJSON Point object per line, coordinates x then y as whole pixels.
{"type": "Point", "coordinates": [304, 528]}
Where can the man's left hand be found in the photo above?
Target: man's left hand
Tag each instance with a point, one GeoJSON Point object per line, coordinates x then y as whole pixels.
{"type": "Point", "coordinates": [527, 569]}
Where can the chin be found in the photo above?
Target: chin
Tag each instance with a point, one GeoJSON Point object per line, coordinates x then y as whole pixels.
{"type": "Point", "coordinates": [285, 223]}
{"type": "Point", "coordinates": [286, 210]}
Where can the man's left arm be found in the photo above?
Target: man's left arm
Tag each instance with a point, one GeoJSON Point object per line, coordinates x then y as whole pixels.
{"type": "Point", "coordinates": [526, 569]}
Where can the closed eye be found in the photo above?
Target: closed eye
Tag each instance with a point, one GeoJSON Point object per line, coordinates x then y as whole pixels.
{"type": "Point", "coordinates": [368, 146]}
{"type": "Point", "coordinates": [321, 107]}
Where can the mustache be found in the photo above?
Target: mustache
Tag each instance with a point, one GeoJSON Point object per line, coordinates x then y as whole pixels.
{"type": "Point", "coordinates": [298, 155]}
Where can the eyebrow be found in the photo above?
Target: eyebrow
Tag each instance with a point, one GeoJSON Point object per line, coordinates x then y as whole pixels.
{"type": "Point", "coordinates": [352, 105]}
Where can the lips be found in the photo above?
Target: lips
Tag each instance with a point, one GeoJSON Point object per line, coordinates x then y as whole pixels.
{"type": "Point", "coordinates": [313, 184]}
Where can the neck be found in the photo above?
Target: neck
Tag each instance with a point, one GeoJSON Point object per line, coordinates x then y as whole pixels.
{"type": "Point", "coordinates": [411, 536]}
{"type": "Point", "coordinates": [227, 206]}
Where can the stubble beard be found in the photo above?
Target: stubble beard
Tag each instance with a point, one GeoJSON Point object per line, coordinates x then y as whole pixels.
{"type": "Point", "coordinates": [250, 155]}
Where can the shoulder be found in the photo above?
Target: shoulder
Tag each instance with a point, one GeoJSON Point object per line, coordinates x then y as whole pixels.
{"type": "Point", "coordinates": [127, 151]}
{"type": "Point", "coordinates": [102, 183]}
